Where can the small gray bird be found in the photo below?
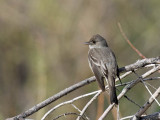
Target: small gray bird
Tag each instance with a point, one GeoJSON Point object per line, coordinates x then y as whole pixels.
{"type": "Point", "coordinates": [102, 62]}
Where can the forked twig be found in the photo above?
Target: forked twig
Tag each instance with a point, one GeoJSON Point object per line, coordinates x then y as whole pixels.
{"type": "Point", "coordinates": [146, 105]}
{"type": "Point", "coordinates": [147, 88]}
{"type": "Point", "coordinates": [89, 103]}
{"type": "Point", "coordinates": [68, 102]}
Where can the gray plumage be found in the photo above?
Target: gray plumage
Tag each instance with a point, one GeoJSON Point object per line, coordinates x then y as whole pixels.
{"type": "Point", "coordinates": [103, 64]}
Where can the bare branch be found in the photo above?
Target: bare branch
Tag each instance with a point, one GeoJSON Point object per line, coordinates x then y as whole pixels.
{"type": "Point", "coordinates": [127, 117]}
{"type": "Point", "coordinates": [89, 103]}
{"type": "Point", "coordinates": [146, 105]}
{"type": "Point", "coordinates": [154, 116]}
{"type": "Point", "coordinates": [153, 78]}
{"type": "Point", "coordinates": [138, 64]}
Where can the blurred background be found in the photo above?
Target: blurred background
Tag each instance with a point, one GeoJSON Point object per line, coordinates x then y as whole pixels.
{"type": "Point", "coordinates": [42, 50]}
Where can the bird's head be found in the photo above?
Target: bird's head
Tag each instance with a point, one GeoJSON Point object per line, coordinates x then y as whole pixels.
{"type": "Point", "coordinates": [97, 41]}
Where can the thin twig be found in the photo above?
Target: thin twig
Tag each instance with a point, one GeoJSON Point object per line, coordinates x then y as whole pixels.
{"type": "Point", "coordinates": [151, 93]}
{"type": "Point", "coordinates": [147, 88]}
{"type": "Point", "coordinates": [129, 99]}
{"type": "Point", "coordinates": [89, 103]}
{"type": "Point", "coordinates": [146, 79]}
{"type": "Point", "coordinates": [132, 101]}
{"type": "Point", "coordinates": [64, 115]}
{"type": "Point", "coordinates": [132, 46]}
{"type": "Point", "coordinates": [127, 117]}
{"type": "Point", "coordinates": [150, 85]}
{"type": "Point", "coordinates": [146, 105]}
{"type": "Point", "coordinates": [76, 107]}
{"type": "Point", "coordinates": [80, 111]}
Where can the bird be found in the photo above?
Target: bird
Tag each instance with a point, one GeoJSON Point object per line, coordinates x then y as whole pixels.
{"type": "Point", "coordinates": [103, 64]}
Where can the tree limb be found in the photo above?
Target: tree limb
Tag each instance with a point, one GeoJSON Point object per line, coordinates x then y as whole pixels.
{"type": "Point", "coordinates": [154, 116]}
{"type": "Point", "coordinates": [136, 65]}
{"type": "Point", "coordinates": [140, 63]}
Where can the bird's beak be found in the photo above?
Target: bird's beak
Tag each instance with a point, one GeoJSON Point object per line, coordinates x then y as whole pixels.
{"type": "Point", "coordinates": [87, 43]}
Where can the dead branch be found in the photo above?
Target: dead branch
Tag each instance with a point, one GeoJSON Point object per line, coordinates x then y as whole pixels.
{"type": "Point", "coordinates": [140, 64]}
{"type": "Point", "coordinates": [154, 116]}
{"type": "Point", "coordinates": [136, 65]}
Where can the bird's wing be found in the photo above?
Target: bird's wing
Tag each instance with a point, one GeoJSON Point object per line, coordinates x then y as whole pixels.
{"type": "Point", "coordinates": [96, 69]}
{"type": "Point", "coordinates": [102, 57]}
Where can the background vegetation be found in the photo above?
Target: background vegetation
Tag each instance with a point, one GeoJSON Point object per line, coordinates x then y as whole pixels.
{"type": "Point", "coordinates": [42, 50]}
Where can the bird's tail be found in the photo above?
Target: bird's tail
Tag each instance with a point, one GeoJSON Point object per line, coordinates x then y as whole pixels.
{"type": "Point", "coordinates": [112, 90]}
{"type": "Point", "coordinates": [113, 96]}
{"type": "Point", "coordinates": [101, 84]}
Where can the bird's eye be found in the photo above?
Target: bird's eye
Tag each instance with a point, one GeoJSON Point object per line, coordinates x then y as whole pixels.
{"type": "Point", "coordinates": [94, 41]}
